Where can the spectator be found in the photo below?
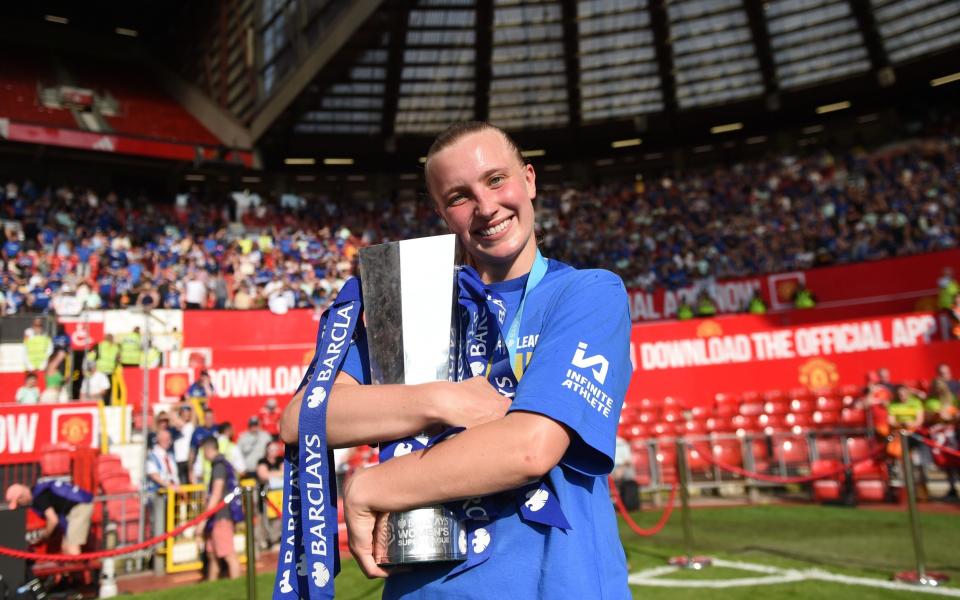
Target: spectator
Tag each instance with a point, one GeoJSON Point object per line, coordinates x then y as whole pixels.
{"type": "Point", "coordinates": [252, 444]}
{"type": "Point", "coordinates": [803, 298]}
{"type": "Point", "coordinates": [28, 393]}
{"type": "Point", "coordinates": [200, 432]}
{"type": "Point", "coordinates": [684, 311]}
{"type": "Point", "coordinates": [184, 420]}
{"type": "Point", "coordinates": [95, 385]}
{"type": "Point", "coordinates": [944, 375]}
{"type": "Point", "coordinates": [62, 506]}
{"type": "Point", "coordinates": [201, 390]}
{"type": "Point", "coordinates": [269, 415]}
{"type": "Point", "coordinates": [269, 475]}
{"type": "Point", "coordinates": [162, 473]}
{"type": "Point", "coordinates": [947, 289]}
{"type": "Point", "coordinates": [218, 529]}
{"type": "Point", "coordinates": [54, 376]}
{"type": "Point", "coordinates": [706, 307]}
{"type": "Point", "coordinates": [107, 355]}
{"type": "Point", "coordinates": [757, 306]}
{"type": "Point", "coordinates": [131, 349]}
{"type": "Point", "coordinates": [37, 347]}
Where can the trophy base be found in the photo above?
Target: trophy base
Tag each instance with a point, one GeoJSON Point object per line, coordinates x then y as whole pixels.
{"type": "Point", "coordinates": [420, 536]}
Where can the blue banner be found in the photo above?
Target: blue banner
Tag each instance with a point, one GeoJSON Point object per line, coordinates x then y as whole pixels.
{"type": "Point", "coordinates": [309, 560]}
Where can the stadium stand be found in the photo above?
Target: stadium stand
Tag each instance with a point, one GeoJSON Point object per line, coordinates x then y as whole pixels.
{"type": "Point", "coordinates": [118, 97]}
{"type": "Point", "coordinates": [779, 214]}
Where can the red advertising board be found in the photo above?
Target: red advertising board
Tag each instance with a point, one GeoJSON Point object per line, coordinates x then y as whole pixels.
{"type": "Point", "coordinates": [887, 286]}
{"type": "Point", "coordinates": [694, 360]}
{"type": "Point", "coordinates": [113, 143]}
{"type": "Point", "coordinates": [26, 429]}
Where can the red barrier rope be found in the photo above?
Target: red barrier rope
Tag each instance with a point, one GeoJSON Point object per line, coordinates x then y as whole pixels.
{"type": "Point", "coordinates": [667, 511]}
{"type": "Point", "coordinates": [708, 456]}
{"type": "Point", "coordinates": [117, 551]}
{"type": "Point", "coordinates": [937, 446]}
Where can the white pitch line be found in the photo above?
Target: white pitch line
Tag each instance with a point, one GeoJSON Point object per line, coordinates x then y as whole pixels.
{"type": "Point", "coordinates": [653, 578]}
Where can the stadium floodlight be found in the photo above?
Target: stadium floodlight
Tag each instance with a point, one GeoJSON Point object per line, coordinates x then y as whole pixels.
{"type": "Point", "coordinates": [338, 161]}
{"type": "Point", "coordinates": [127, 31]}
{"type": "Point", "coordinates": [945, 80]}
{"type": "Point", "coordinates": [829, 108]}
{"type": "Point", "coordinates": [626, 143]}
{"type": "Point", "coordinates": [250, 179]}
{"type": "Point", "coordinates": [757, 139]}
{"type": "Point", "coordinates": [868, 118]}
{"type": "Point", "coordinates": [56, 19]}
{"type": "Point", "coordinates": [299, 161]}
{"type": "Point", "coordinates": [812, 129]}
{"type": "Point", "coordinates": [726, 128]}
{"type": "Point", "coordinates": [195, 177]}
{"type": "Point", "coordinates": [533, 153]}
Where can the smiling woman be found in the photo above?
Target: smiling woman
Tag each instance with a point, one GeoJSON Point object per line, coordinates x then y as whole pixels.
{"type": "Point", "coordinates": [536, 450]}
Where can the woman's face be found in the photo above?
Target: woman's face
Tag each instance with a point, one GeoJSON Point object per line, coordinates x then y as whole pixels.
{"type": "Point", "coordinates": [483, 192]}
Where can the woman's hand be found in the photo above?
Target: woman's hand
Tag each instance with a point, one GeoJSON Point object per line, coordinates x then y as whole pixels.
{"type": "Point", "coordinates": [469, 403]}
{"type": "Point", "coordinates": [360, 521]}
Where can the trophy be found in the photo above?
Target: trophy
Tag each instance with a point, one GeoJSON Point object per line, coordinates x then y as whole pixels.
{"type": "Point", "coordinates": [412, 322]}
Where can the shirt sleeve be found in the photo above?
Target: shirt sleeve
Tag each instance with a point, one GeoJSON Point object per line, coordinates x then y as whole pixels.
{"type": "Point", "coordinates": [580, 368]}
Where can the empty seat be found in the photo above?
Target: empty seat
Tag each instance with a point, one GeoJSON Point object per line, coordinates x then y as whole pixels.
{"type": "Point", "coordinates": [778, 406]}
{"type": "Point", "coordinates": [832, 403]}
{"type": "Point", "coordinates": [829, 489]}
{"type": "Point", "coordinates": [853, 417]}
{"type": "Point", "coordinates": [826, 419]}
{"type": "Point", "coordinates": [751, 409]}
{"type": "Point", "coordinates": [807, 405]}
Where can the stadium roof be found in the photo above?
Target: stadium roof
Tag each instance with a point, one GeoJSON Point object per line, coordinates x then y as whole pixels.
{"type": "Point", "coordinates": [547, 69]}
{"type": "Point", "coordinates": [378, 78]}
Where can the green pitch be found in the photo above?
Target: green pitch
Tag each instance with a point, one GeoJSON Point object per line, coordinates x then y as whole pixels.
{"type": "Point", "coordinates": [839, 541]}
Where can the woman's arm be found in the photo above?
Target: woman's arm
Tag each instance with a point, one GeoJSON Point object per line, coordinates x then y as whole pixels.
{"type": "Point", "coordinates": [363, 414]}
{"type": "Point", "coordinates": [497, 456]}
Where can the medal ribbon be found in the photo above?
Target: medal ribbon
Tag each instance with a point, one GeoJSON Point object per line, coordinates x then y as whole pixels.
{"type": "Point", "coordinates": [308, 558]}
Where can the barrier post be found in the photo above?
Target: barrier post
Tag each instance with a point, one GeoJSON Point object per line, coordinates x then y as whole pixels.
{"type": "Point", "coordinates": [108, 569]}
{"type": "Point", "coordinates": [688, 560]}
{"type": "Point", "coordinates": [248, 507]}
{"type": "Point", "coordinates": [920, 576]}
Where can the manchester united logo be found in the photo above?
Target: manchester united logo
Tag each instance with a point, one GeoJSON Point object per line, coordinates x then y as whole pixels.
{"type": "Point", "coordinates": [818, 373]}
{"type": "Point", "coordinates": [175, 384]}
{"type": "Point", "coordinates": [75, 430]}
{"type": "Point", "coordinates": [786, 289]}
{"type": "Point", "coordinates": [709, 329]}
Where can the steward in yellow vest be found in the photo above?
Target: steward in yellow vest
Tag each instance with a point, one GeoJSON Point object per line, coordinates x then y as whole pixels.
{"type": "Point", "coordinates": [131, 354]}
{"type": "Point", "coordinates": [804, 299]}
{"type": "Point", "coordinates": [107, 354]}
{"type": "Point", "coordinates": [38, 347]}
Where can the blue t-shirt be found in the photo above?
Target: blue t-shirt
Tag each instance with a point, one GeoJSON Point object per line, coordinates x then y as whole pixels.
{"type": "Point", "coordinates": [575, 349]}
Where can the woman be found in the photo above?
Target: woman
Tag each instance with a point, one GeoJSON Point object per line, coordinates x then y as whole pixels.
{"type": "Point", "coordinates": [560, 427]}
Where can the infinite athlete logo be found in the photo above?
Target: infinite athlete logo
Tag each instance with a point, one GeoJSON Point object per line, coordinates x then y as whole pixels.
{"type": "Point", "coordinates": [536, 499]}
{"type": "Point", "coordinates": [317, 396]}
{"type": "Point", "coordinates": [582, 361]}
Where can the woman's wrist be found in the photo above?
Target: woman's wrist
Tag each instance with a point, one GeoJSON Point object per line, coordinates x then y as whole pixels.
{"type": "Point", "coordinates": [432, 399]}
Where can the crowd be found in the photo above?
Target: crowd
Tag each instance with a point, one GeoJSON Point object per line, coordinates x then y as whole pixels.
{"type": "Point", "coordinates": [67, 248]}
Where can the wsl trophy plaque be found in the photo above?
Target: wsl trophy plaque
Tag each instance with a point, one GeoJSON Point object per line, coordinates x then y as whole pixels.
{"type": "Point", "coordinates": [412, 322]}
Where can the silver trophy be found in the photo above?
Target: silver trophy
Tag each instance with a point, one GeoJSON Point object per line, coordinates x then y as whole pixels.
{"type": "Point", "coordinates": [410, 310]}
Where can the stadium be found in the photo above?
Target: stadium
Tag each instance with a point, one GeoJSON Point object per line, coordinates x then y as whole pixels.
{"type": "Point", "coordinates": [749, 377]}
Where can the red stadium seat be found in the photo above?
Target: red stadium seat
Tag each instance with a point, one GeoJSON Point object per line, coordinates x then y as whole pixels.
{"type": "Point", "coordinates": [751, 409]}
{"type": "Point", "coordinates": [826, 419]}
{"type": "Point", "coordinates": [648, 418]}
{"type": "Point", "coordinates": [728, 452]}
{"type": "Point", "coordinates": [773, 396]}
{"type": "Point", "coordinates": [719, 425]}
{"type": "Point", "coordinates": [853, 417]}
{"type": "Point", "coordinates": [801, 420]}
{"type": "Point", "coordinates": [791, 451]}
{"type": "Point", "coordinates": [55, 459]}
{"type": "Point", "coordinates": [806, 405]}
{"type": "Point", "coordinates": [829, 489]}
{"type": "Point", "coordinates": [829, 403]}
{"type": "Point", "coordinates": [648, 405]}
{"type": "Point", "coordinates": [801, 394]}
{"type": "Point", "coordinates": [726, 399]}
{"type": "Point", "coordinates": [829, 448]}
{"type": "Point", "coordinates": [693, 427]}
{"type": "Point", "coordinates": [671, 402]}
{"type": "Point", "coordinates": [749, 397]}
{"type": "Point", "coordinates": [672, 416]}
{"type": "Point", "coordinates": [780, 406]}
{"type": "Point", "coordinates": [701, 412]}
{"type": "Point", "coordinates": [772, 423]}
